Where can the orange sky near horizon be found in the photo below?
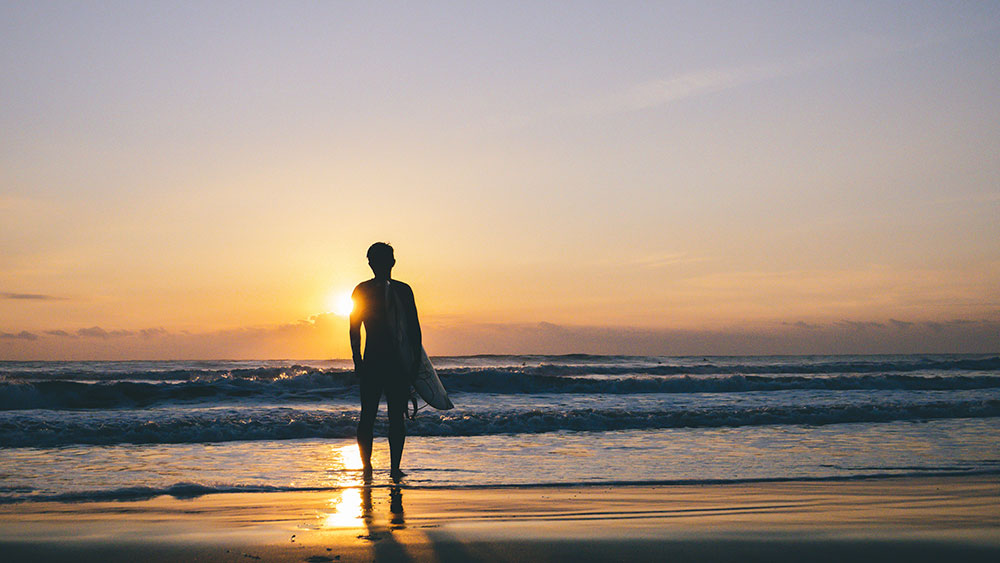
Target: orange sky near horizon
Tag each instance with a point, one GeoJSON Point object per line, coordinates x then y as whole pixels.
{"type": "Point", "coordinates": [202, 182]}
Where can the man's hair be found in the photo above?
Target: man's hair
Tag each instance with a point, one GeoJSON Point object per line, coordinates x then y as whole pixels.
{"type": "Point", "coordinates": [380, 252]}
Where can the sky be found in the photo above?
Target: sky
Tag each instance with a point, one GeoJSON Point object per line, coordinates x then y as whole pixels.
{"type": "Point", "coordinates": [198, 180]}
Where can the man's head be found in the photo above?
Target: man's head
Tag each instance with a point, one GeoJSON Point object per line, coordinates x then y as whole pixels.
{"type": "Point", "coordinates": [381, 259]}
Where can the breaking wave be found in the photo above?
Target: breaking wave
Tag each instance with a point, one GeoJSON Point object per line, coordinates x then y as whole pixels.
{"type": "Point", "coordinates": [315, 386]}
{"type": "Point", "coordinates": [194, 490]}
{"type": "Point", "coordinates": [573, 364]}
{"type": "Point", "coordinates": [213, 425]}
{"type": "Point", "coordinates": [56, 394]}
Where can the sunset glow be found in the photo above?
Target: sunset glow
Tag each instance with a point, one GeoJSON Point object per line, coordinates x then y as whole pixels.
{"type": "Point", "coordinates": [679, 181]}
{"type": "Point", "coordinates": [494, 280]}
{"type": "Point", "coordinates": [342, 304]}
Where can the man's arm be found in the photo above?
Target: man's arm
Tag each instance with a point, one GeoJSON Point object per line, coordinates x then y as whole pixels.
{"type": "Point", "coordinates": [355, 330]}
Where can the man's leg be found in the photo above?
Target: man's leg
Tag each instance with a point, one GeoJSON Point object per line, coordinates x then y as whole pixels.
{"type": "Point", "coordinates": [396, 396]}
{"type": "Point", "coordinates": [371, 392]}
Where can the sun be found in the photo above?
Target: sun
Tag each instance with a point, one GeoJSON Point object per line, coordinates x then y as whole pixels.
{"type": "Point", "coordinates": [341, 304]}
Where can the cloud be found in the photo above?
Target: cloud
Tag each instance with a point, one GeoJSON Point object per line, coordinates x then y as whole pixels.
{"type": "Point", "coordinates": [939, 326]}
{"type": "Point", "coordinates": [31, 297]}
{"type": "Point", "coordinates": [860, 325]}
{"type": "Point", "coordinates": [798, 337]}
{"type": "Point", "coordinates": [325, 336]}
{"type": "Point", "coordinates": [61, 333]}
{"type": "Point", "coordinates": [153, 332]}
{"type": "Point", "coordinates": [661, 92]}
{"type": "Point", "coordinates": [902, 325]}
{"type": "Point", "coordinates": [98, 332]}
{"type": "Point", "coordinates": [963, 199]}
{"type": "Point", "coordinates": [664, 260]}
{"type": "Point", "coordinates": [23, 335]}
{"type": "Point", "coordinates": [700, 82]}
{"type": "Point", "coordinates": [802, 325]}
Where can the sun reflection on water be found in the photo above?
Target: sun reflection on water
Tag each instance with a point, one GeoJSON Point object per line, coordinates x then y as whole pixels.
{"type": "Point", "coordinates": [343, 466]}
{"type": "Point", "coordinates": [347, 510]}
{"type": "Point", "coordinates": [348, 507]}
{"type": "Point", "coordinates": [349, 455]}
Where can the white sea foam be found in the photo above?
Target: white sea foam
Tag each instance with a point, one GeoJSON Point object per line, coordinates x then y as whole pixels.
{"type": "Point", "coordinates": [316, 385]}
{"type": "Point", "coordinates": [572, 419]}
{"type": "Point", "coordinates": [223, 425]}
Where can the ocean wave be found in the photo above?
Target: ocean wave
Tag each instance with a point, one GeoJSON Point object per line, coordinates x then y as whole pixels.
{"type": "Point", "coordinates": [570, 365]}
{"type": "Point", "coordinates": [318, 386]}
{"type": "Point", "coordinates": [512, 382]}
{"type": "Point", "coordinates": [194, 490]}
{"type": "Point", "coordinates": [212, 425]}
{"type": "Point", "coordinates": [312, 386]}
{"type": "Point", "coordinates": [156, 371]}
{"type": "Point", "coordinates": [742, 365]}
{"type": "Point", "coordinates": [177, 490]}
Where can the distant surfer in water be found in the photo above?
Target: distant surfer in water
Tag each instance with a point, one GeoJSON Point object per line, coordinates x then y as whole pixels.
{"type": "Point", "coordinates": [392, 353]}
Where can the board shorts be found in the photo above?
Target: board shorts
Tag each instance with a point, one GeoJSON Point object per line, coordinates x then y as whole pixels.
{"type": "Point", "coordinates": [384, 378]}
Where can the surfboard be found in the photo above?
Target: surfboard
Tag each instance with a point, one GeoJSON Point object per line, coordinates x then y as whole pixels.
{"type": "Point", "coordinates": [428, 385]}
{"type": "Point", "coordinates": [426, 382]}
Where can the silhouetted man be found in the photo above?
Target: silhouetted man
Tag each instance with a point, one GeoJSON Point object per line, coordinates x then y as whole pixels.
{"type": "Point", "coordinates": [392, 353]}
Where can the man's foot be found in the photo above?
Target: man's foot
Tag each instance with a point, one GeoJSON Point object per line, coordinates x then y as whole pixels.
{"type": "Point", "coordinates": [366, 473]}
{"type": "Point", "coordinates": [396, 474]}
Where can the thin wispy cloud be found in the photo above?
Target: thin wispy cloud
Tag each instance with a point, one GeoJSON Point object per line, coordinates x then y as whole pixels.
{"type": "Point", "coordinates": [30, 296]}
{"type": "Point", "coordinates": [991, 198]}
{"type": "Point", "coordinates": [675, 88]}
{"type": "Point", "coordinates": [701, 82]}
{"type": "Point", "coordinates": [104, 334]}
{"type": "Point", "coordinates": [860, 325]}
{"type": "Point", "coordinates": [668, 259]}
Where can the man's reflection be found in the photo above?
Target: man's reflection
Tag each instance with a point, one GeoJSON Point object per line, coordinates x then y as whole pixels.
{"type": "Point", "coordinates": [386, 547]}
{"type": "Point", "coordinates": [366, 505]}
{"type": "Point", "coordinates": [396, 508]}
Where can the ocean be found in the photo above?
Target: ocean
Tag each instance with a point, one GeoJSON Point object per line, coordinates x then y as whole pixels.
{"type": "Point", "coordinates": [83, 431]}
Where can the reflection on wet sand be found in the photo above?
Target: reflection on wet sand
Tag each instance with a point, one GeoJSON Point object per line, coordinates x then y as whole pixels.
{"type": "Point", "coordinates": [354, 508]}
{"type": "Point", "coordinates": [370, 518]}
{"type": "Point", "coordinates": [385, 545]}
{"type": "Point", "coordinates": [358, 509]}
{"type": "Point", "coordinates": [347, 510]}
{"type": "Point", "coordinates": [396, 508]}
{"type": "Point", "coordinates": [347, 505]}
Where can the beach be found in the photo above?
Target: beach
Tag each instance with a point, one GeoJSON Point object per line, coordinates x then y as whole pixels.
{"type": "Point", "coordinates": [642, 281]}
{"type": "Point", "coordinates": [543, 458]}
{"type": "Point", "coordinates": [911, 519]}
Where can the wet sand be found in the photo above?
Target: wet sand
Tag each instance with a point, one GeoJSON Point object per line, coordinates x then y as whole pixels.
{"type": "Point", "coordinates": [906, 519]}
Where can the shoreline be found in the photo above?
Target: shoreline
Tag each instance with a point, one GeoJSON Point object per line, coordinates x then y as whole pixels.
{"type": "Point", "coordinates": [923, 518]}
{"type": "Point", "coordinates": [189, 491]}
